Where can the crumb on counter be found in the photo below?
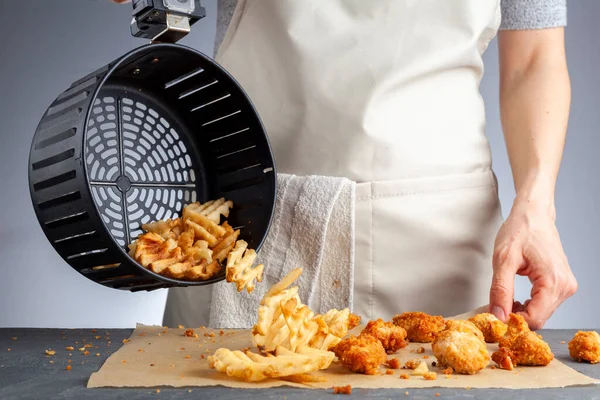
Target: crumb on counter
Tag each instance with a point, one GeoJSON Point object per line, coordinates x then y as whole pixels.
{"type": "Point", "coordinates": [404, 376]}
{"type": "Point", "coordinates": [430, 376]}
{"type": "Point", "coordinates": [448, 371]}
{"type": "Point", "coordinates": [190, 333]}
{"type": "Point", "coordinates": [342, 389]}
{"type": "Point", "coordinates": [393, 363]}
{"type": "Point", "coordinates": [389, 372]}
{"type": "Point", "coordinates": [421, 350]}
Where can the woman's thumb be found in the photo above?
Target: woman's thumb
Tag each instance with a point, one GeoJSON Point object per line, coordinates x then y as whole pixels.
{"type": "Point", "coordinates": [502, 292]}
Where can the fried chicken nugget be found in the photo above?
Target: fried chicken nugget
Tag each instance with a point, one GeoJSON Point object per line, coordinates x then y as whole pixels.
{"type": "Point", "coordinates": [392, 337]}
{"type": "Point", "coordinates": [515, 326]}
{"type": "Point", "coordinates": [465, 352]}
{"type": "Point", "coordinates": [362, 354]}
{"type": "Point", "coordinates": [420, 327]}
{"type": "Point", "coordinates": [464, 326]}
{"type": "Point", "coordinates": [529, 349]}
{"type": "Point", "coordinates": [521, 346]}
{"type": "Point", "coordinates": [492, 328]}
{"type": "Point", "coordinates": [526, 349]}
{"type": "Point", "coordinates": [585, 346]}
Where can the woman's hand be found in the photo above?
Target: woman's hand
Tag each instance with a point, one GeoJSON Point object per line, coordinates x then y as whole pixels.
{"type": "Point", "coordinates": [528, 244]}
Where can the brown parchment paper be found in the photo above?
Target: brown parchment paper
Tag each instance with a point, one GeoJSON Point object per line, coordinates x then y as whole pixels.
{"type": "Point", "coordinates": [156, 357]}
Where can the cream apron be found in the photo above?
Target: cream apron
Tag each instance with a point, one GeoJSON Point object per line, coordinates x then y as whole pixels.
{"type": "Point", "coordinates": [386, 93]}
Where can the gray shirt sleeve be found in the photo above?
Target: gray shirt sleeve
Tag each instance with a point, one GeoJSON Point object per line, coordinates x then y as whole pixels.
{"type": "Point", "coordinates": [533, 14]}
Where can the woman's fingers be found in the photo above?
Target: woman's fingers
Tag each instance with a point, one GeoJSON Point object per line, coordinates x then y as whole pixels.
{"type": "Point", "coordinates": [541, 306]}
{"type": "Point", "coordinates": [506, 263]}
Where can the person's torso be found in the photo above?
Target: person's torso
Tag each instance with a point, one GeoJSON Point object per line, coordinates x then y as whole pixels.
{"type": "Point", "coordinates": [370, 90]}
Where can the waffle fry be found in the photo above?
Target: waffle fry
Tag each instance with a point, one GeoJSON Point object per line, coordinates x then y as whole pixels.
{"type": "Point", "coordinates": [213, 209]}
{"type": "Point", "coordinates": [170, 228]}
{"type": "Point", "coordinates": [239, 267]}
{"type": "Point", "coordinates": [202, 233]}
{"type": "Point", "coordinates": [189, 214]}
{"type": "Point", "coordinates": [152, 247]}
{"type": "Point", "coordinates": [196, 246]}
{"type": "Point", "coordinates": [252, 367]}
{"type": "Point", "coordinates": [284, 321]}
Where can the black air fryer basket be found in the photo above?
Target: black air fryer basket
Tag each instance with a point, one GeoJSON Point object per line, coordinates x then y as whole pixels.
{"type": "Point", "coordinates": [134, 142]}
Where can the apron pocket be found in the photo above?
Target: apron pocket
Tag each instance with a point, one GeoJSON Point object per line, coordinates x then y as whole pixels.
{"type": "Point", "coordinates": [425, 244]}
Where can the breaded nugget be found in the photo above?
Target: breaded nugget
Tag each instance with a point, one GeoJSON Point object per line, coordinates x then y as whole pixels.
{"type": "Point", "coordinates": [516, 325]}
{"type": "Point", "coordinates": [585, 346]}
{"type": "Point", "coordinates": [392, 337]}
{"type": "Point", "coordinates": [465, 352]}
{"type": "Point", "coordinates": [362, 354]}
{"type": "Point", "coordinates": [492, 328]}
{"type": "Point", "coordinates": [529, 349]}
{"type": "Point", "coordinates": [526, 348]}
{"type": "Point", "coordinates": [420, 327]}
{"type": "Point", "coordinates": [462, 325]}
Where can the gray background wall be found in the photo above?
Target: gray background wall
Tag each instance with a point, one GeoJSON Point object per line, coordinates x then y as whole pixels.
{"type": "Point", "coordinates": [46, 45]}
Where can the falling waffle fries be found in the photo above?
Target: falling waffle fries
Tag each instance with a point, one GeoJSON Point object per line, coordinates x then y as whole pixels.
{"type": "Point", "coordinates": [239, 267]}
{"type": "Point", "coordinates": [197, 247]}
{"type": "Point", "coordinates": [284, 321]}
{"type": "Point", "coordinates": [292, 340]}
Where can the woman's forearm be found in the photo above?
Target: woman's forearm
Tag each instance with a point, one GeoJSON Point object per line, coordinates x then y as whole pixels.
{"type": "Point", "coordinates": [535, 98]}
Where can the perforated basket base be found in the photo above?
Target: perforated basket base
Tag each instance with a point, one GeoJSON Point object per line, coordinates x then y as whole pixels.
{"type": "Point", "coordinates": [140, 165]}
{"type": "Point", "coordinates": [134, 142]}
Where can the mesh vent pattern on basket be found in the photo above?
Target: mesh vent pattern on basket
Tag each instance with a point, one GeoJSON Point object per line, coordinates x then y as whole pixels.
{"type": "Point", "coordinates": [138, 166]}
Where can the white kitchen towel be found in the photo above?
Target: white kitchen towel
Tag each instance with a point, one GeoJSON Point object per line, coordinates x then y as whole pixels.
{"type": "Point", "coordinates": [313, 228]}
